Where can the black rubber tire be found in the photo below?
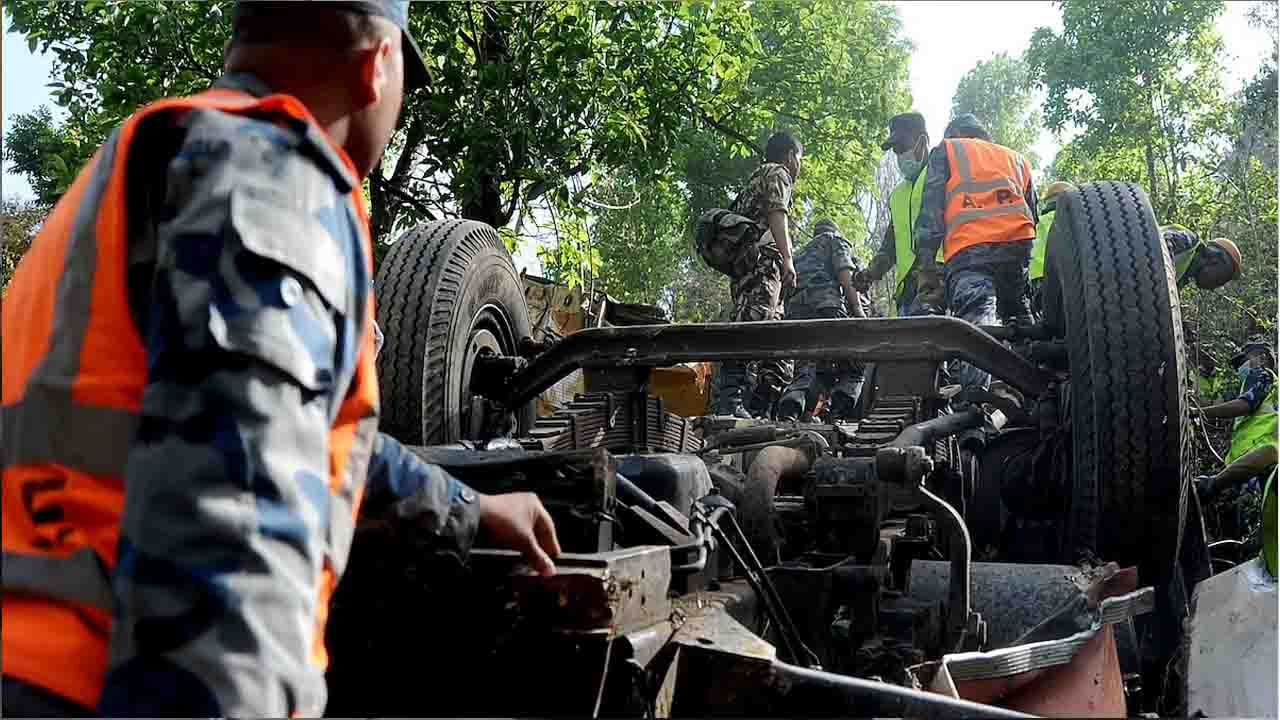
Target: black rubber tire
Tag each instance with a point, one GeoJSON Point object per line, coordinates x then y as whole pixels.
{"type": "Point", "coordinates": [1120, 314]}
{"type": "Point", "coordinates": [440, 285]}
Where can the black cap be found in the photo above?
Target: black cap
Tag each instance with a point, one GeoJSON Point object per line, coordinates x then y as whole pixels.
{"type": "Point", "coordinates": [397, 11]}
{"type": "Point", "coordinates": [966, 125]}
{"type": "Point", "coordinates": [904, 129]}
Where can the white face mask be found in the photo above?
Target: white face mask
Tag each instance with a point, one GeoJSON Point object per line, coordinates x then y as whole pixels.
{"type": "Point", "coordinates": [909, 166]}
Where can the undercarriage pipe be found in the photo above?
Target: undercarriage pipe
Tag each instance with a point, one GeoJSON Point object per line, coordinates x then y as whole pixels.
{"type": "Point", "coordinates": [814, 692]}
{"type": "Point", "coordinates": [925, 433]}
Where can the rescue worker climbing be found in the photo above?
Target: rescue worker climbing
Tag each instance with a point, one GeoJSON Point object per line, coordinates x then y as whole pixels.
{"type": "Point", "coordinates": [1253, 435]}
{"type": "Point", "coordinates": [1048, 208]}
{"type": "Point", "coordinates": [909, 141]}
{"type": "Point", "coordinates": [1210, 265]}
{"type": "Point", "coordinates": [189, 413]}
{"type": "Point", "coordinates": [980, 207]}
{"type": "Point", "coordinates": [824, 290]}
{"type": "Point", "coordinates": [763, 274]}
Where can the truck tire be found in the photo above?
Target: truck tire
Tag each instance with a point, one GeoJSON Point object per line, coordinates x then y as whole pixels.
{"type": "Point", "coordinates": [1119, 312]}
{"type": "Point", "coordinates": [446, 290]}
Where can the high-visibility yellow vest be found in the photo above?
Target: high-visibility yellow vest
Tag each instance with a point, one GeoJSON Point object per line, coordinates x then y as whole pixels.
{"type": "Point", "coordinates": [1039, 247]}
{"type": "Point", "coordinates": [1182, 262]}
{"type": "Point", "coordinates": [1255, 430]}
{"type": "Point", "coordinates": [904, 208]}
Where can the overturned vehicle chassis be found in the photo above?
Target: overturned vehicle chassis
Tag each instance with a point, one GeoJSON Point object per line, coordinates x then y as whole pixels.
{"type": "Point", "coordinates": [1024, 552]}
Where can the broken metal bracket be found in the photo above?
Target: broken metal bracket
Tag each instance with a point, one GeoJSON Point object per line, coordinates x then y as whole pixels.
{"type": "Point", "coordinates": [1049, 653]}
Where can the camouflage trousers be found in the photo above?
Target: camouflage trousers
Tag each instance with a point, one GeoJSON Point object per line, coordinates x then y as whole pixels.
{"type": "Point", "coordinates": [987, 296]}
{"type": "Point", "coordinates": [908, 301]}
{"type": "Point", "coordinates": [756, 298]}
{"type": "Point", "coordinates": [839, 379]}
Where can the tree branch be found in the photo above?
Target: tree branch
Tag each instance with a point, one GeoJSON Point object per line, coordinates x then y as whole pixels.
{"type": "Point", "coordinates": [729, 132]}
{"type": "Point", "coordinates": [405, 197]}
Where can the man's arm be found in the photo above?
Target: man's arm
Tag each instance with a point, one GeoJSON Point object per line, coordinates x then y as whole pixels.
{"type": "Point", "coordinates": [852, 298]}
{"type": "Point", "coordinates": [777, 188]}
{"type": "Point", "coordinates": [224, 527]}
{"type": "Point", "coordinates": [1227, 410]}
{"type": "Point", "coordinates": [844, 267]}
{"type": "Point", "coordinates": [884, 259]}
{"type": "Point", "coordinates": [1033, 204]}
{"type": "Point", "coordinates": [931, 227]}
{"type": "Point", "coordinates": [411, 490]}
{"type": "Point", "coordinates": [1257, 384]}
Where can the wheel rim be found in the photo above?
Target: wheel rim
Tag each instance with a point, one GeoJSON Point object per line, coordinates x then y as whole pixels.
{"type": "Point", "coordinates": [490, 331]}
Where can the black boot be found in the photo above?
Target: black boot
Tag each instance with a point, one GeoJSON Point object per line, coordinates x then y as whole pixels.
{"type": "Point", "coordinates": [730, 404]}
{"type": "Point", "coordinates": [791, 406]}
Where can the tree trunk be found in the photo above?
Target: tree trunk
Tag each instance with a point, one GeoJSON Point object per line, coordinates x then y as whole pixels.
{"type": "Point", "coordinates": [1152, 188]}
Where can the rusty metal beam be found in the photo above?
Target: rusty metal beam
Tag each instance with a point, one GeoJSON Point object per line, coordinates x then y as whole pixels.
{"type": "Point", "coordinates": [876, 339]}
{"type": "Point", "coordinates": [618, 591]}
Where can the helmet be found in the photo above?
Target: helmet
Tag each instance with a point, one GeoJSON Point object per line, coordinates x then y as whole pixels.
{"type": "Point", "coordinates": [1058, 187]}
{"type": "Point", "coordinates": [1231, 250]}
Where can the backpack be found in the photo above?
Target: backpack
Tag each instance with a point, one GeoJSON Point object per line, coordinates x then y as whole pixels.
{"type": "Point", "coordinates": [728, 242]}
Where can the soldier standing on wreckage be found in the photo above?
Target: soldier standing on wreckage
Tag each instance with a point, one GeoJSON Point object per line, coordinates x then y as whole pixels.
{"type": "Point", "coordinates": [190, 396]}
{"type": "Point", "coordinates": [909, 141]}
{"type": "Point", "coordinates": [824, 290]}
{"type": "Point", "coordinates": [980, 207]}
{"type": "Point", "coordinates": [758, 290]}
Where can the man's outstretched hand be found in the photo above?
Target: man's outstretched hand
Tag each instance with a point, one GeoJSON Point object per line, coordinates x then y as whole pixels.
{"type": "Point", "coordinates": [518, 521]}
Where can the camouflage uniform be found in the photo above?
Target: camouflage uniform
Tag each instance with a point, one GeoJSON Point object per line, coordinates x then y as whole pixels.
{"type": "Point", "coordinates": [984, 283]}
{"type": "Point", "coordinates": [818, 295]}
{"type": "Point", "coordinates": [226, 519]}
{"type": "Point", "coordinates": [757, 291]}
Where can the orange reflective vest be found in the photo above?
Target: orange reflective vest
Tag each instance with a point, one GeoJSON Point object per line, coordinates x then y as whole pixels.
{"type": "Point", "coordinates": [985, 196]}
{"type": "Point", "coordinates": [74, 371]}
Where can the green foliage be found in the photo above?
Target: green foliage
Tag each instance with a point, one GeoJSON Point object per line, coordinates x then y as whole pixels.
{"type": "Point", "coordinates": [19, 221]}
{"type": "Point", "coordinates": [109, 58]}
{"type": "Point", "coordinates": [672, 101]}
{"type": "Point", "coordinates": [1143, 75]}
{"type": "Point", "coordinates": [49, 155]}
{"type": "Point", "coordinates": [998, 92]}
{"type": "Point", "coordinates": [833, 73]}
{"type": "Point", "coordinates": [1150, 102]}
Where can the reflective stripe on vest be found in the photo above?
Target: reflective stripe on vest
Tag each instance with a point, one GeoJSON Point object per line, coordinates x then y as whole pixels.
{"type": "Point", "coordinates": [1257, 429]}
{"type": "Point", "coordinates": [904, 208]}
{"type": "Point", "coordinates": [1040, 246]}
{"type": "Point", "coordinates": [985, 202]}
{"type": "Point", "coordinates": [72, 387]}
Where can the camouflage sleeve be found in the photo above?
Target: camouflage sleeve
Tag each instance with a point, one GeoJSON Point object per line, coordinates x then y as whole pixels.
{"type": "Point", "coordinates": [931, 226]}
{"type": "Point", "coordinates": [775, 190]}
{"type": "Point", "coordinates": [407, 489]}
{"type": "Point", "coordinates": [841, 256]}
{"type": "Point", "coordinates": [1257, 384]}
{"type": "Point", "coordinates": [249, 343]}
{"type": "Point", "coordinates": [1178, 240]}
